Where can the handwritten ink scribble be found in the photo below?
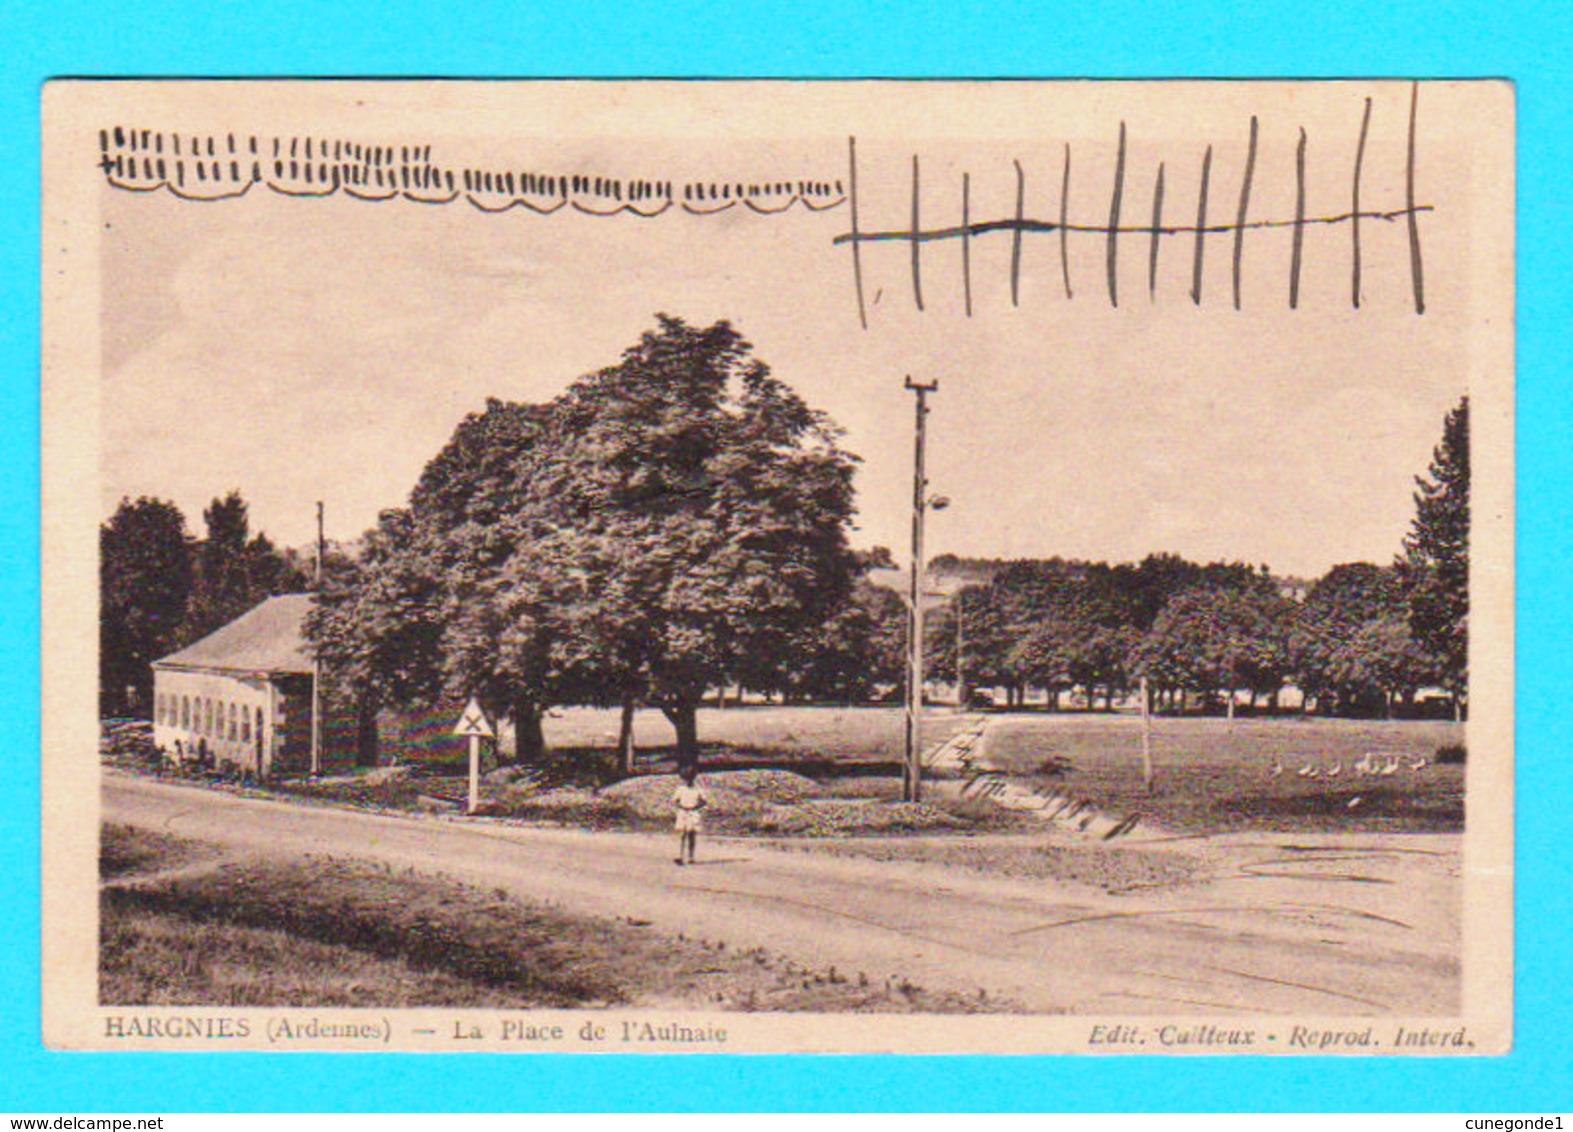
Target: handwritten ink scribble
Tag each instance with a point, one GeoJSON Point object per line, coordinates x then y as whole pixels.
{"type": "Point", "coordinates": [914, 235]}
{"type": "Point", "coordinates": [210, 168]}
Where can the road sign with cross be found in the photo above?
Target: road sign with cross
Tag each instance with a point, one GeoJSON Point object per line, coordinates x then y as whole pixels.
{"type": "Point", "coordinates": [473, 721]}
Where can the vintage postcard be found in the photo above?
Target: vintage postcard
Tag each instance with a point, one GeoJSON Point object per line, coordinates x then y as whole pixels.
{"type": "Point", "coordinates": [1002, 567]}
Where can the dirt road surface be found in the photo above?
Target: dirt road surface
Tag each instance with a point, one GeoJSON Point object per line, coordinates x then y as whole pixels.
{"type": "Point", "coordinates": [1285, 924]}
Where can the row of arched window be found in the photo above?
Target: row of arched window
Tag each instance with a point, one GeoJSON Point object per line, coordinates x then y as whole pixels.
{"type": "Point", "coordinates": [203, 716]}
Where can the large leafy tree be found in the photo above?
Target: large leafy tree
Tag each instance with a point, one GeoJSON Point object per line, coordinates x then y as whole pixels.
{"type": "Point", "coordinates": [859, 650]}
{"type": "Point", "coordinates": [1145, 588]}
{"type": "Point", "coordinates": [1073, 631]}
{"type": "Point", "coordinates": [1351, 647]}
{"type": "Point", "coordinates": [700, 511]}
{"type": "Point", "coordinates": [1215, 639]}
{"type": "Point", "coordinates": [1335, 608]}
{"type": "Point", "coordinates": [989, 632]}
{"type": "Point", "coordinates": [372, 628]}
{"type": "Point", "coordinates": [144, 589]}
{"type": "Point", "coordinates": [1383, 657]}
{"type": "Point", "coordinates": [441, 601]}
{"type": "Point", "coordinates": [1435, 562]}
{"type": "Point", "coordinates": [671, 523]}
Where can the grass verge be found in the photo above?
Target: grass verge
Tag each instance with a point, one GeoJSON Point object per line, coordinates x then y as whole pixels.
{"type": "Point", "coordinates": [325, 931]}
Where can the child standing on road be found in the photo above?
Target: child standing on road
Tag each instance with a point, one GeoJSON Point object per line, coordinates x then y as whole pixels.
{"type": "Point", "coordinates": [689, 800]}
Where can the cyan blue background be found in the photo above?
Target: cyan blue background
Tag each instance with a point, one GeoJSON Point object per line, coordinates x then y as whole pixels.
{"type": "Point", "coordinates": [1528, 42]}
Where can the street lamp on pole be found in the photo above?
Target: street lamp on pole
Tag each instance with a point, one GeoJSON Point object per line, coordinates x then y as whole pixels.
{"type": "Point", "coordinates": [912, 767]}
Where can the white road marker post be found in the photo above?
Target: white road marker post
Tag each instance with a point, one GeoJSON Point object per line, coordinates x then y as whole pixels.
{"type": "Point", "coordinates": [475, 775]}
{"type": "Point", "coordinates": [474, 725]}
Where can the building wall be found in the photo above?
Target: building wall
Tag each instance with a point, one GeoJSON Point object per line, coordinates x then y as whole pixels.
{"type": "Point", "coordinates": [293, 717]}
{"type": "Point", "coordinates": [234, 716]}
{"type": "Point", "coordinates": [279, 704]}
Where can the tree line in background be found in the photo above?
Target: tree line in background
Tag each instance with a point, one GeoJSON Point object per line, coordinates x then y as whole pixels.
{"type": "Point", "coordinates": [1361, 640]}
{"type": "Point", "coordinates": [161, 587]}
{"type": "Point", "coordinates": [678, 523]}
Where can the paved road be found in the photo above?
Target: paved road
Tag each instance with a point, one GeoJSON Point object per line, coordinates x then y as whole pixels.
{"type": "Point", "coordinates": [1305, 924]}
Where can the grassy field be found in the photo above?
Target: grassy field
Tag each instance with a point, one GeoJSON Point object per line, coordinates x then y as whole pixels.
{"type": "Point", "coordinates": [733, 736]}
{"type": "Point", "coordinates": [1215, 775]}
{"type": "Point", "coordinates": [1212, 775]}
{"type": "Point", "coordinates": [322, 931]}
{"type": "Point", "coordinates": [853, 734]}
{"type": "Point", "coordinates": [842, 763]}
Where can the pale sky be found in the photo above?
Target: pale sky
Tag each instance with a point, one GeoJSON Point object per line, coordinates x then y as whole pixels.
{"type": "Point", "coordinates": [326, 349]}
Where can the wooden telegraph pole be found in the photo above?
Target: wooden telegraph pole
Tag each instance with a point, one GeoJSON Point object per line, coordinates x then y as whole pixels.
{"type": "Point", "coordinates": [316, 665]}
{"type": "Point", "coordinates": [912, 770]}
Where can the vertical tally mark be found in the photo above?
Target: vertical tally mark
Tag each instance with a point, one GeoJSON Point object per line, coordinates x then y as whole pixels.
{"type": "Point", "coordinates": [1299, 223]}
{"type": "Point", "coordinates": [1354, 211]}
{"type": "Point", "coordinates": [1245, 204]}
{"type": "Point", "coordinates": [1015, 244]}
{"type": "Point", "coordinates": [966, 240]}
{"type": "Point", "coordinates": [1157, 236]}
{"type": "Point", "coordinates": [1114, 221]}
{"type": "Point", "coordinates": [917, 239]}
{"type": "Point", "coordinates": [1201, 228]}
{"type": "Point", "coordinates": [1065, 196]}
{"type": "Point", "coordinates": [1417, 273]}
{"type": "Point", "coordinates": [857, 242]}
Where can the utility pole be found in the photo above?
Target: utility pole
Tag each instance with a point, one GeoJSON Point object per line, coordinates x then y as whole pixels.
{"type": "Point", "coordinates": [316, 665]}
{"type": "Point", "coordinates": [912, 777]}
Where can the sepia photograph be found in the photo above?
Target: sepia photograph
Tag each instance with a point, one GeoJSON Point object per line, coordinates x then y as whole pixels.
{"type": "Point", "coordinates": [822, 566]}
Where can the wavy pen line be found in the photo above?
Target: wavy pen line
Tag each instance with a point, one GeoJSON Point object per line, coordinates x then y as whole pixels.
{"type": "Point", "coordinates": [519, 202]}
{"type": "Point", "coordinates": [628, 208]}
{"type": "Point", "coordinates": [223, 196]}
{"type": "Point", "coordinates": [300, 194]}
{"type": "Point", "coordinates": [144, 188]}
{"type": "Point", "coordinates": [418, 200]}
{"type": "Point", "coordinates": [176, 192]}
{"type": "Point", "coordinates": [516, 202]}
{"type": "Point", "coordinates": [539, 211]}
{"type": "Point", "coordinates": [796, 199]}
